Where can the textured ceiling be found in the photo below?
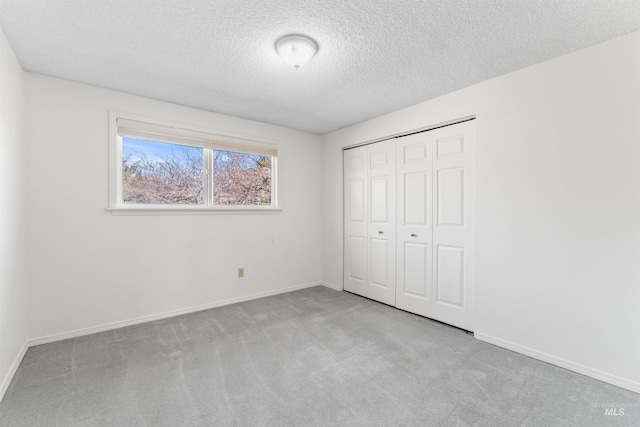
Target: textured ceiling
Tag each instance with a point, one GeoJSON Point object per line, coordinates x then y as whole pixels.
{"type": "Point", "coordinates": [374, 56]}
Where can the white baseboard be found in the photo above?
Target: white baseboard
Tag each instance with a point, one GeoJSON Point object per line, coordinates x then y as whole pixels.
{"type": "Point", "coordinates": [6, 381]}
{"type": "Point", "coordinates": [332, 286]}
{"type": "Point", "coordinates": [121, 324]}
{"type": "Point", "coordinates": [563, 363]}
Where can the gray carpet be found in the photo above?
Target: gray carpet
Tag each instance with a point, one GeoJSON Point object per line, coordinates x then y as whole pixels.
{"type": "Point", "coordinates": [314, 357]}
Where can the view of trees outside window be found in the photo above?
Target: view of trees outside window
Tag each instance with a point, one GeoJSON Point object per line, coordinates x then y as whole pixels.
{"type": "Point", "coordinates": [160, 173]}
{"type": "Point", "coordinates": [241, 179]}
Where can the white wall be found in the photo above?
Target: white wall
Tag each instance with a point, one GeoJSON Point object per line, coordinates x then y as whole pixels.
{"type": "Point", "coordinates": [558, 206]}
{"type": "Point", "coordinates": [13, 322]}
{"type": "Point", "coordinates": [89, 268]}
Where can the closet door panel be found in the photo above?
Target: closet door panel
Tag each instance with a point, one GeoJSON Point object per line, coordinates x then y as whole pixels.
{"type": "Point", "coordinates": [453, 234]}
{"type": "Point", "coordinates": [451, 197]}
{"type": "Point", "coordinates": [355, 221]}
{"type": "Point", "coordinates": [415, 270]}
{"type": "Point", "coordinates": [382, 222]}
{"type": "Point", "coordinates": [358, 259]}
{"type": "Point", "coordinates": [379, 269]}
{"type": "Point", "coordinates": [450, 278]}
{"type": "Point", "coordinates": [414, 240]}
{"type": "Point", "coordinates": [380, 199]}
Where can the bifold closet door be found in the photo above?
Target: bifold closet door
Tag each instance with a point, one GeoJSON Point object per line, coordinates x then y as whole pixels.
{"type": "Point", "coordinates": [355, 220]}
{"type": "Point", "coordinates": [382, 222]}
{"type": "Point", "coordinates": [435, 224]}
{"type": "Point", "coordinates": [370, 221]}
{"type": "Point", "coordinates": [453, 226]}
{"type": "Point", "coordinates": [415, 233]}
{"type": "Point", "coordinates": [416, 252]}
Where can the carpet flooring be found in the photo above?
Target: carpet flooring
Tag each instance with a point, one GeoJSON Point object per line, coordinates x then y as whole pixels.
{"type": "Point", "coordinates": [313, 357]}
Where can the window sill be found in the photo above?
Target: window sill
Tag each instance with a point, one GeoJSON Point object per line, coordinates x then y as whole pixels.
{"type": "Point", "coordinates": [154, 210]}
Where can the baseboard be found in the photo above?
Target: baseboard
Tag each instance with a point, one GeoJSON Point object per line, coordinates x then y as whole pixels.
{"type": "Point", "coordinates": [563, 363]}
{"type": "Point", "coordinates": [6, 381]}
{"type": "Point", "coordinates": [332, 286]}
{"type": "Point", "coordinates": [165, 315]}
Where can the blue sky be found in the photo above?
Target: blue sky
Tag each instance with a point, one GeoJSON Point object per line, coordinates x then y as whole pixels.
{"type": "Point", "coordinates": [153, 150]}
{"type": "Point", "coordinates": [158, 151]}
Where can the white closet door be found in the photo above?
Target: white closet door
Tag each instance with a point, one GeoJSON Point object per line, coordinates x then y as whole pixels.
{"type": "Point", "coordinates": [453, 227]}
{"type": "Point", "coordinates": [355, 220]}
{"type": "Point", "coordinates": [416, 254]}
{"type": "Point", "coordinates": [382, 222]}
{"type": "Point", "coordinates": [415, 234]}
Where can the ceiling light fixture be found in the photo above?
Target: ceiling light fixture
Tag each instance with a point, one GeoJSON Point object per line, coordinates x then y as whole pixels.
{"type": "Point", "coordinates": [296, 50]}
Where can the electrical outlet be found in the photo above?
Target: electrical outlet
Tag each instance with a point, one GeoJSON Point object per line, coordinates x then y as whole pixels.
{"type": "Point", "coordinates": [241, 272]}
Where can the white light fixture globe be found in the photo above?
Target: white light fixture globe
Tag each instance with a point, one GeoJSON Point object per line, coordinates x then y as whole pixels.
{"type": "Point", "coordinates": [296, 50]}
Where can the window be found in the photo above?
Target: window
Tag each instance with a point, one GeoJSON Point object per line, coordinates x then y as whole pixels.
{"type": "Point", "coordinates": [160, 173]}
{"type": "Point", "coordinates": [167, 168]}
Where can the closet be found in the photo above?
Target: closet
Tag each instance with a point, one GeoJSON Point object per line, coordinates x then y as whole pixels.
{"type": "Point", "coordinates": [408, 222]}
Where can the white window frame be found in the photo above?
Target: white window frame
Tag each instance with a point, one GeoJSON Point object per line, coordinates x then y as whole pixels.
{"type": "Point", "coordinates": [178, 133]}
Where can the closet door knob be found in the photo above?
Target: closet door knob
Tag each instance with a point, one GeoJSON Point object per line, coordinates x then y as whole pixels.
{"type": "Point", "coordinates": [414, 235]}
{"type": "Point", "coordinates": [380, 232]}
